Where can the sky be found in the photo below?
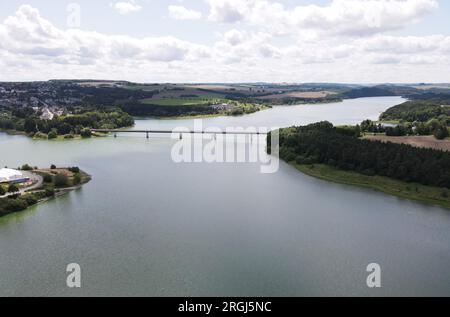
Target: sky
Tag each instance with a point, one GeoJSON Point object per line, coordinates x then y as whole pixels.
{"type": "Point", "coordinates": [212, 41]}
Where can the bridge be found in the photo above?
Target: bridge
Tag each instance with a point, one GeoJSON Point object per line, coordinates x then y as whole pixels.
{"type": "Point", "coordinates": [148, 132]}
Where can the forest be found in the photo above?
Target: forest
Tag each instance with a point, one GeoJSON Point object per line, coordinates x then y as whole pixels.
{"type": "Point", "coordinates": [417, 117]}
{"type": "Point", "coordinates": [322, 143]}
{"type": "Point", "coordinates": [419, 110]}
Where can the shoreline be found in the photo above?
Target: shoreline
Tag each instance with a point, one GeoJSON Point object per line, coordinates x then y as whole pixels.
{"type": "Point", "coordinates": [412, 191]}
{"type": "Point", "coordinates": [39, 195]}
{"type": "Point", "coordinates": [216, 115]}
{"type": "Point", "coordinates": [200, 116]}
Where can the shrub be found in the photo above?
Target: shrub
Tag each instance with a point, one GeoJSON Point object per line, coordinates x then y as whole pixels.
{"type": "Point", "coordinates": [40, 135]}
{"type": "Point", "coordinates": [236, 111]}
{"type": "Point", "coordinates": [52, 135]}
{"type": "Point", "coordinates": [49, 192]}
{"type": "Point", "coordinates": [441, 133]}
{"type": "Point", "coordinates": [77, 179]}
{"type": "Point", "coordinates": [26, 167]}
{"type": "Point", "coordinates": [13, 205]}
{"type": "Point", "coordinates": [30, 199]}
{"type": "Point", "coordinates": [299, 159]}
{"type": "Point", "coordinates": [61, 180]}
{"type": "Point", "coordinates": [74, 169]}
{"type": "Point", "coordinates": [86, 133]}
{"type": "Point", "coordinates": [48, 178]}
{"type": "Point", "coordinates": [13, 189]}
{"type": "Point", "coordinates": [2, 191]}
{"type": "Point", "coordinates": [53, 167]}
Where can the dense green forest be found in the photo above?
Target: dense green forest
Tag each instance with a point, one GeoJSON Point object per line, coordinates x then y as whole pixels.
{"type": "Point", "coordinates": [417, 117]}
{"type": "Point", "coordinates": [143, 110]}
{"type": "Point", "coordinates": [419, 110]}
{"type": "Point", "coordinates": [322, 143]}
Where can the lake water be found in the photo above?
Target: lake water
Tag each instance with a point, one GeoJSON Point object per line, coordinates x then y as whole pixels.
{"type": "Point", "coordinates": [148, 226]}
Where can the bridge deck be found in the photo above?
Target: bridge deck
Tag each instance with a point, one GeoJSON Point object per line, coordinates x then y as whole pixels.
{"type": "Point", "coordinates": [178, 132]}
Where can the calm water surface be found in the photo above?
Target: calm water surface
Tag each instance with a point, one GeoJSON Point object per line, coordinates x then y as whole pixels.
{"type": "Point", "coordinates": [148, 226]}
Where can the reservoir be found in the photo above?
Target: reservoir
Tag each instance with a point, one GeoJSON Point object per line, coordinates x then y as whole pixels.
{"type": "Point", "coordinates": [147, 226]}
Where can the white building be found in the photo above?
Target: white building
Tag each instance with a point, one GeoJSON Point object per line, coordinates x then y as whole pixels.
{"type": "Point", "coordinates": [12, 176]}
{"type": "Point", "coordinates": [47, 114]}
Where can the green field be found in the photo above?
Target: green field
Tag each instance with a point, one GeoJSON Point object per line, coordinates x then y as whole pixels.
{"type": "Point", "coordinates": [185, 101]}
{"type": "Point", "coordinates": [418, 192]}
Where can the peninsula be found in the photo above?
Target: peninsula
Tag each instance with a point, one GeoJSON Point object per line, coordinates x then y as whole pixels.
{"type": "Point", "coordinates": [339, 154]}
{"type": "Point", "coordinates": [27, 186]}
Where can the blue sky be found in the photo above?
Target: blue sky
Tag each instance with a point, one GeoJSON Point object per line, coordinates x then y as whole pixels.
{"type": "Point", "coordinates": [227, 40]}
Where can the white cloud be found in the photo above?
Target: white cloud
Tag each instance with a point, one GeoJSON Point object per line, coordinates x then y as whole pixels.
{"type": "Point", "coordinates": [227, 11]}
{"type": "Point", "coordinates": [126, 7]}
{"type": "Point", "coordinates": [32, 48]}
{"type": "Point", "coordinates": [181, 13]}
{"type": "Point", "coordinates": [234, 37]}
{"type": "Point", "coordinates": [340, 17]}
{"type": "Point", "coordinates": [28, 33]}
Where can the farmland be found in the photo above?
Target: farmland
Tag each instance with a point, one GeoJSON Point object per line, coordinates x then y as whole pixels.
{"type": "Point", "coordinates": [426, 141]}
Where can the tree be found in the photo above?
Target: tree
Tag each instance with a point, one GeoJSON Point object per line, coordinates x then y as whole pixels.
{"type": "Point", "coordinates": [30, 125]}
{"type": "Point", "coordinates": [48, 178]}
{"type": "Point", "coordinates": [61, 180]}
{"type": "Point", "coordinates": [13, 188]}
{"type": "Point", "coordinates": [53, 167]}
{"type": "Point", "coordinates": [52, 135]}
{"type": "Point", "coordinates": [86, 133]}
{"type": "Point", "coordinates": [49, 192]}
{"type": "Point", "coordinates": [441, 133]}
{"type": "Point", "coordinates": [77, 179]}
{"type": "Point", "coordinates": [74, 169]}
{"type": "Point", "coordinates": [26, 167]}
{"type": "Point", "coordinates": [2, 191]}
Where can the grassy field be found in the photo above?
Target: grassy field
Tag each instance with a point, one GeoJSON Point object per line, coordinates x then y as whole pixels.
{"type": "Point", "coordinates": [185, 101]}
{"type": "Point", "coordinates": [427, 194]}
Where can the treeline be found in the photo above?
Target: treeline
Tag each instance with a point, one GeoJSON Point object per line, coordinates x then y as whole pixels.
{"type": "Point", "coordinates": [424, 117]}
{"type": "Point", "coordinates": [369, 92]}
{"type": "Point", "coordinates": [421, 111]}
{"type": "Point", "coordinates": [439, 129]}
{"type": "Point", "coordinates": [76, 124]}
{"type": "Point", "coordinates": [321, 143]}
{"type": "Point", "coordinates": [143, 110]}
{"type": "Point", "coordinates": [111, 96]}
{"type": "Point", "coordinates": [409, 92]}
{"type": "Point", "coordinates": [18, 203]}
